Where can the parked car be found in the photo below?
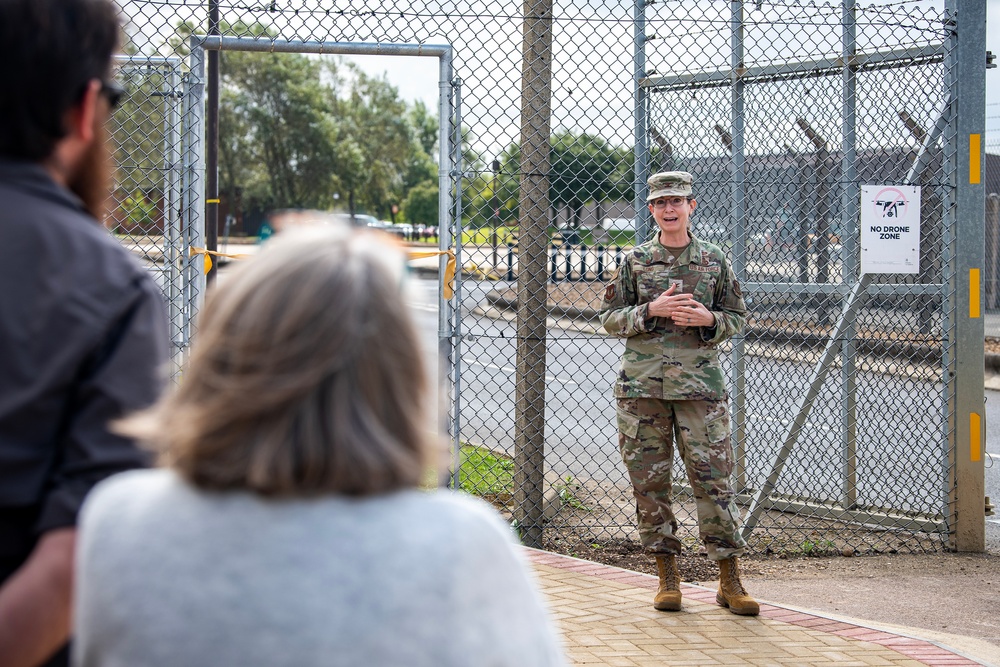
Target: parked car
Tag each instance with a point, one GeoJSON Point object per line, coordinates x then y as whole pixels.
{"type": "Point", "coordinates": [404, 229]}
{"type": "Point", "coordinates": [363, 220]}
{"type": "Point", "coordinates": [390, 228]}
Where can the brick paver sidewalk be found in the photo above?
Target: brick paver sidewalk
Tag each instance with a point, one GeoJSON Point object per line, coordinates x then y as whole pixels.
{"type": "Point", "coordinates": [606, 618]}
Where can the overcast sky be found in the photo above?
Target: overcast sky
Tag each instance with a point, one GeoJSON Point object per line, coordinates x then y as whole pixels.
{"type": "Point", "coordinates": [609, 101]}
{"type": "Point", "coordinates": [416, 78]}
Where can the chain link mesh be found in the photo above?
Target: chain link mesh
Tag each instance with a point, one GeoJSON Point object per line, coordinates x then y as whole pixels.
{"type": "Point", "coordinates": [869, 470]}
{"type": "Point", "coordinates": [149, 209]}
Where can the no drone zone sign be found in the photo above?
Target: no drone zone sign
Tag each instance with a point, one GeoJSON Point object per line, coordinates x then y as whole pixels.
{"type": "Point", "coordinates": [890, 229]}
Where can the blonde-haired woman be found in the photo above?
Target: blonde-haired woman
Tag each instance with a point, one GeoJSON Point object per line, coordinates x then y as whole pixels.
{"type": "Point", "coordinates": [287, 527]}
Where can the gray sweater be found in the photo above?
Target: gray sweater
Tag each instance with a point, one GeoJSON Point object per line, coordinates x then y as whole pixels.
{"type": "Point", "coordinates": [170, 575]}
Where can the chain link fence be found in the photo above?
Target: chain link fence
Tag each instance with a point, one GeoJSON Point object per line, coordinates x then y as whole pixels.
{"type": "Point", "coordinates": [156, 173]}
{"type": "Point", "coordinates": [840, 447]}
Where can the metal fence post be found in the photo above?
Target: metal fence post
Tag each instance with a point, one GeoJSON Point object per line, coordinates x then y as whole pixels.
{"type": "Point", "coordinates": [194, 192]}
{"type": "Point", "coordinates": [640, 116]}
{"type": "Point", "coordinates": [738, 213]}
{"type": "Point", "coordinates": [455, 175]}
{"type": "Point", "coordinates": [172, 236]}
{"type": "Point", "coordinates": [850, 202]}
{"type": "Point", "coordinates": [970, 205]}
{"type": "Point", "coordinates": [212, 144]}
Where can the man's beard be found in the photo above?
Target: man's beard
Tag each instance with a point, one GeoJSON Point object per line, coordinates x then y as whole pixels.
{"type": "Point", "coordinates": [92, 179]}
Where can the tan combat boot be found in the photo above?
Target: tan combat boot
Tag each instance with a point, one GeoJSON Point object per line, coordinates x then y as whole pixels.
{"type": "Point", "coordinates": [668, 598]}
{"type": "Point", "coordinates": [731, 592]}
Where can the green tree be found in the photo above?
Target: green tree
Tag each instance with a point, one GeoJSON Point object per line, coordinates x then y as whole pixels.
{"type": "Point", "coordinates": [374, 120]}
{"type": "Point", "coordinates": [421, 205]}
{"type": "Point", "coordinates": [622, 176]}
{"type": "Point", "coordinates": [278, 118]}
{"type": "Point", "coordinates": [425, 127]}
{"type": "Point", "coordinates": [301, 131]}
{"type": "Point", "coordinates": [140, 214]}
{"type": "Point", "coordinates": [421, 166]}
{"type": "Point", "coordinates": [138, 128]}
{"type": "Point", "coordinates": [583, 168]}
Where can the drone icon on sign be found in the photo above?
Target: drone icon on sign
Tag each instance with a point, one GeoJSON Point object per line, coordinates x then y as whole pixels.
{"type": "Point", "coordinates": [890, 203]}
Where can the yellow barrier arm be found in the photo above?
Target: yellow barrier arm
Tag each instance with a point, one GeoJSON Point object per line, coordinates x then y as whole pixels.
{"type": "Point", "coordinates": [447, 285]}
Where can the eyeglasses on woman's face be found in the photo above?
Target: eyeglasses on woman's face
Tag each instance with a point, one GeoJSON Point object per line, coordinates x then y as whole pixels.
{"type": "Point", "coordinates": [662, 202]}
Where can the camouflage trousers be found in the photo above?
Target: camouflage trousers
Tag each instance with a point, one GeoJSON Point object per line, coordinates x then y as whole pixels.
{"type": "Point", "coordinates": [647, 430]}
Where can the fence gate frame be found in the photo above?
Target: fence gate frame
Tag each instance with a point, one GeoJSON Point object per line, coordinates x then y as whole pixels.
{"type": "Point", "coordinates": [182, 278]}
{"type": "Point", "coordinates": [959, 127]}
{"type": "Point", "coordinates": [449, 167]}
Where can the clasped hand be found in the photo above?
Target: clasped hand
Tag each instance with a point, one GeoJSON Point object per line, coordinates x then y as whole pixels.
{"type": "Point", "coordinates": [683, 309]}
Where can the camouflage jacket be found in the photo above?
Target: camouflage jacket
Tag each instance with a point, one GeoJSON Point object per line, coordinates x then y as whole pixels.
{"type": "Point", "coordinates": [662, 360]}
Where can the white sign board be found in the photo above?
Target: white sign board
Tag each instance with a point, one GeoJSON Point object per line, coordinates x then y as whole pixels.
{"type": "Point", "coordinates": [890, 229]}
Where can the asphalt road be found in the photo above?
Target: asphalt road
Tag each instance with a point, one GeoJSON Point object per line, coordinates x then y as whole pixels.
{"type": "Point", "coordinates": [899, 459]}
{"type": "Point", "coordinates": [898, 453]}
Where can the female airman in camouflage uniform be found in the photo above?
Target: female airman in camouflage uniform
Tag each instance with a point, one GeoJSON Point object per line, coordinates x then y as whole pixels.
{"type": "Point", "coordinates": [674, 299]}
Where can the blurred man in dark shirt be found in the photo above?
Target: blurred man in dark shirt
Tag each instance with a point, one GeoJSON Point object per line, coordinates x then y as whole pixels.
{"type": "Point", "coordinates": [83, 335]}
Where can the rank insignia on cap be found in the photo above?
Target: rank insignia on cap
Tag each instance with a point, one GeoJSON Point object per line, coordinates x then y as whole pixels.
{"type": "Point", "coordinates": [669, 184]}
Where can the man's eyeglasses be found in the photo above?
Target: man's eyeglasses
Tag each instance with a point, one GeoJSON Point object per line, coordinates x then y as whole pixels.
{"type": "Point", "coordinates": [113, 92]}
{"type": "Point", "coordinates": [673, 201]}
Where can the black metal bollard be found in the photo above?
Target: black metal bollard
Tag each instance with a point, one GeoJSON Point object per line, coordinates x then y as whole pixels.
{"type": "Point", "coordinates": [569, 257]}
{"type": "Point", "coordinates": [555, 273]}
{"type": "Point", "coordinates": [600, 263]}
{"type": "Point", "coordinates": [510, 262]}
{"type": "Point", "coordinates": [583, 262]}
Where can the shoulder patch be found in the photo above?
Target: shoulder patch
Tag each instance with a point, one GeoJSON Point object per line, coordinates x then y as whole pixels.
{"type": "Point", "coordinates": [609, 292]}
{"type": "Point", "coordinates": [736, 288]}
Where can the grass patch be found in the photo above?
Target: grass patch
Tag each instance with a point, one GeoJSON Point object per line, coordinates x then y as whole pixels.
{"type": "Point", "coordinates": [568, 489]}
{"type": "Point", "coordinates": [818, 548]}
{"type": "Point", "coordinates": [484, 236]}
{"type": "Point", "coordinates": [486, 474]}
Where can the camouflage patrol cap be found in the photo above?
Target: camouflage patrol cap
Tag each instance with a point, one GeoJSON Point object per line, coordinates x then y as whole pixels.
{"type": "Point", "coordinates": [669, 184]}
